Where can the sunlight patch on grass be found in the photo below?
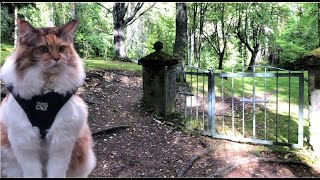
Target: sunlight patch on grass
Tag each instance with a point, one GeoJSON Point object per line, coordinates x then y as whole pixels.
{"type": "Point", "coordinates": [3, 56]}
{"type": "Point", "coordinates": [103, 64]}
{"type": "Point", "coordinates": [276, 113]}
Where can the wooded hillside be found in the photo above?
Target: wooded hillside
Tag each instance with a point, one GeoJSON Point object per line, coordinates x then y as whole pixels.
{"type": "Point", "coordinates": [218, 35]}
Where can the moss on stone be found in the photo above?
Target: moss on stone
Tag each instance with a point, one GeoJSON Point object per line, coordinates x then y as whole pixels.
{"type": "Point", "coordinates": [158, 58]}
{"type": "Point", "coordinates": [312, 58]}
{"type": "Point", "coordinates": [315, 53]}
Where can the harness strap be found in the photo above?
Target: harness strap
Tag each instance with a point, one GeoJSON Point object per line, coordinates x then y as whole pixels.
{"type": "Point", "coordinates": [42, 109]}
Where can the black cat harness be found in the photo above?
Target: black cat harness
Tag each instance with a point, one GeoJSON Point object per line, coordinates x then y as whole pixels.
{"type": "Point", "coordinates": [42, 109]}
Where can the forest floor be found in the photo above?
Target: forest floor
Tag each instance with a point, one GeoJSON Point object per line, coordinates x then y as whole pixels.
{"type": "Point", "coordinates": [137, 144]}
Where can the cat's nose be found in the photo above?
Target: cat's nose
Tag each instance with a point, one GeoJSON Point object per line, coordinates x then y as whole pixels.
{"type": "Point", "coordinates": [56, 59]}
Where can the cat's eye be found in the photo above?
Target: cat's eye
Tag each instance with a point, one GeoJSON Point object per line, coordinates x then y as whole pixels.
{"type": "Point", "coordinates": [61, 49]}
{"type": "Point", "coordinates": [43, 49]}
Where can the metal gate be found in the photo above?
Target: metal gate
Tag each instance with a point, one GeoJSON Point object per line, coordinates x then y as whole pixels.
{"type": "Point", "coordinates": [264, 106]}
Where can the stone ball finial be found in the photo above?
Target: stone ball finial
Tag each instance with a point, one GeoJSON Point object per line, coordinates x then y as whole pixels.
{"type": "Point", "coordinates": [158, 46]}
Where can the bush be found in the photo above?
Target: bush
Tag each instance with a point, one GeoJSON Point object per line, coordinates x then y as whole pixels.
{"type": "Point", "coordinates": [7, 26]}
{"type": "Point", "coordinates": [291, 55]}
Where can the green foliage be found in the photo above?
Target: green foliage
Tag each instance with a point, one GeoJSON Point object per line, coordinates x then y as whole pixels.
{"type": "Point", "coordinates": [299, 35]}
{"type": "Point", "coordinates": [292, 27]}
{"type": "Point", "coordinates": [214, 18]}
{"type": "Point", "coordinates": [6, 47]}
{"type": "Point", "coordinates": [161, 27]}
{"type": "Point", "coordinates": [89, 40]}
{"type": "Point", "coordinates": [291, 55]}
{"type": "Point", "coordinates": [7, 25]}
{"type": "Point", "coordinates": [93, 37]}
{"type": "Point", "coordinates": [5, 50]}
{"type": "Point", "coordinates": [34, 15]}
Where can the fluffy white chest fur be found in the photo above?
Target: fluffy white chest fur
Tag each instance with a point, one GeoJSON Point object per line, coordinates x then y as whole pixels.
{"type": "Point", "coordinates": [67, 149]}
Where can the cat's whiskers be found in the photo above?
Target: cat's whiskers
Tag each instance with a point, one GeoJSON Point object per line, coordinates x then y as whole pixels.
{"type": "Point", "coordinates": [68, 64]}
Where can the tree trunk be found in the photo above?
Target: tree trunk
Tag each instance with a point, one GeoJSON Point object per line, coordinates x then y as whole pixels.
{"type": "Point", "coordinates": [319, 23]}
{"type": "Point", "coordinates": [189, 47]}
{"type": "Point", "coordinates": [192, 45]}
{"type": "Point", "coordinates": [252, 59]}
{"type": "Point", "coordinates": [243, 36]}
{"type": "Point", "coordinates": [15, 26]}
{"type": "Point", "coordinates": [73, 10]}
{"type": "Point", "coordinates": [194, 29]}
{"type": "Point", "coordinates": [119, 23]}
{"type": "Point", "coordinates": [119, 10]}
{"type": "Point", "coordinates": [130, 32]}
{"type": "Point", "coordinates": [240, 49]}
{"type": "Point", "coordinates": [203, 9]}
{"type": "Point", "coordinates": [118, 40]}
{"type": "Point", "coordinates": [52, 15]}
{"type": "Point", "coordinates": [181, 40]}
{"type": "Point", "coordinates": [63, 5]}
{"type": "Point", "coordinates": [221, 55]}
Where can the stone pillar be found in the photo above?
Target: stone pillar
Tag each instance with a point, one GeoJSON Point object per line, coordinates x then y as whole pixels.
{"type": "Point", "coordinates": [158, 84]}
{"type": "Point", "coordinates": [313, 62]}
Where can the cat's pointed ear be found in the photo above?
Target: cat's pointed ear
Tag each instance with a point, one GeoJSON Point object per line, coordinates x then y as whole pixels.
{"type": "Point", "coordinates": [69, 28]}
{"type": "Point", "coordinates": [24, 27]}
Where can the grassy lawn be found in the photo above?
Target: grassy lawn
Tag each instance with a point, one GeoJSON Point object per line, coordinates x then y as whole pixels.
{"type": "Point", "coordinates": [95, 64]}
{"type": "Point", "coordinates": [3, 55]}
{"type": "Point", "coordinates": [108, 64]}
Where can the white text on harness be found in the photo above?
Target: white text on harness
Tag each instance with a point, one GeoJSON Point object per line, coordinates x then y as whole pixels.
{"type": "Point", "coordinates": [42, 106]}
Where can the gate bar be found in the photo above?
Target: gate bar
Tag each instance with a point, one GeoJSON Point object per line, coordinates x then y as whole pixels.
{"type": "Point", "coordinates": [254, 105]}
{"type": "Point", "coordinates": [301, 102]}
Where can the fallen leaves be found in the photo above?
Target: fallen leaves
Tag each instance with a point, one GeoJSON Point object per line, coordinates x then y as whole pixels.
{"type": "Point", "coordinates": [152, 147]}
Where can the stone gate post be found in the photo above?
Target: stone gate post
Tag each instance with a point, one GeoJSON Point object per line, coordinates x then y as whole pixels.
{"type": "Point", "coordinates": [158, 85]}
{"type": "Point", "coordinates": [313, 63]}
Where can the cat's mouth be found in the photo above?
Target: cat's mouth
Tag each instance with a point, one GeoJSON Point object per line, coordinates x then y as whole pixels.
{"type": "Point", "coordinates": [54, 67]}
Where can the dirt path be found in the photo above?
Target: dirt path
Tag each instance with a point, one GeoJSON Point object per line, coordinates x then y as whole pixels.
{"type": "Point", "coordinates": [150, 148]}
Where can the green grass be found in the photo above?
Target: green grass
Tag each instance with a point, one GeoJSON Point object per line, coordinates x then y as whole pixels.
{"type": "Point", "coordinates": [3, 55]}
{"type": "Point", "coordinates": [5, 50]}
{"type": "Point", "coordinates": [108, 64]}
{"type": "Point", "coordinates": [91, 63]}
{"type": "Point", "coordinates": [276, 114]}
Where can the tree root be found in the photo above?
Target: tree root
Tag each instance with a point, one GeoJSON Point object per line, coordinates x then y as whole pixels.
{"type": "Point", "coordinates": [108, 130]}
{"type": "Point", "coordinates": [224, 171]}
{"type": "Point", "coordinates": [89, 102]}
{"type": "Point", "coordinates": [229, 168]}
{"type": "Point", "coordinates": [194, 158]}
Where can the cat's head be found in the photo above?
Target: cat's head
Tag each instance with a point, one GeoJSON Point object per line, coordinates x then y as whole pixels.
{"type": "Point", "coordinates": [44, 59]}
{"type": "Point", "coordinates": [48, 48]}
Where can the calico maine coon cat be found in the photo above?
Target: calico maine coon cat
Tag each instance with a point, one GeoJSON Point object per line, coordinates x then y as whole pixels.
{"type": "Point", "coordinates": [42, 74]}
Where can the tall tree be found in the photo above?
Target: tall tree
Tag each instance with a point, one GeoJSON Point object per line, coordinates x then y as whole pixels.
{"type": "Point", "coordinates": [203, 10]}
{"type": "Point", "coordinates": [181, 40]}
{"type": "Point", "coordinates": [13, 9]}
{"type": "Point", "coordinates": [194, 32]}
{"type": "Point", "coordinates": [319, 23]}
{"type": "Point", "coordinates": [15, 27]}
{"type": "Point", "coordinates": [73, 10]}
{"type": "Point", "coordinates": [220, 26]}
{"type": "Point", "coordinates": [53, 10]}
{"type": "Point", "coordinates": [119, 23]}
{"type": "Point", "coordinates": [63, 7]}
{"type": "Point", "coordinates": [253, 18]}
